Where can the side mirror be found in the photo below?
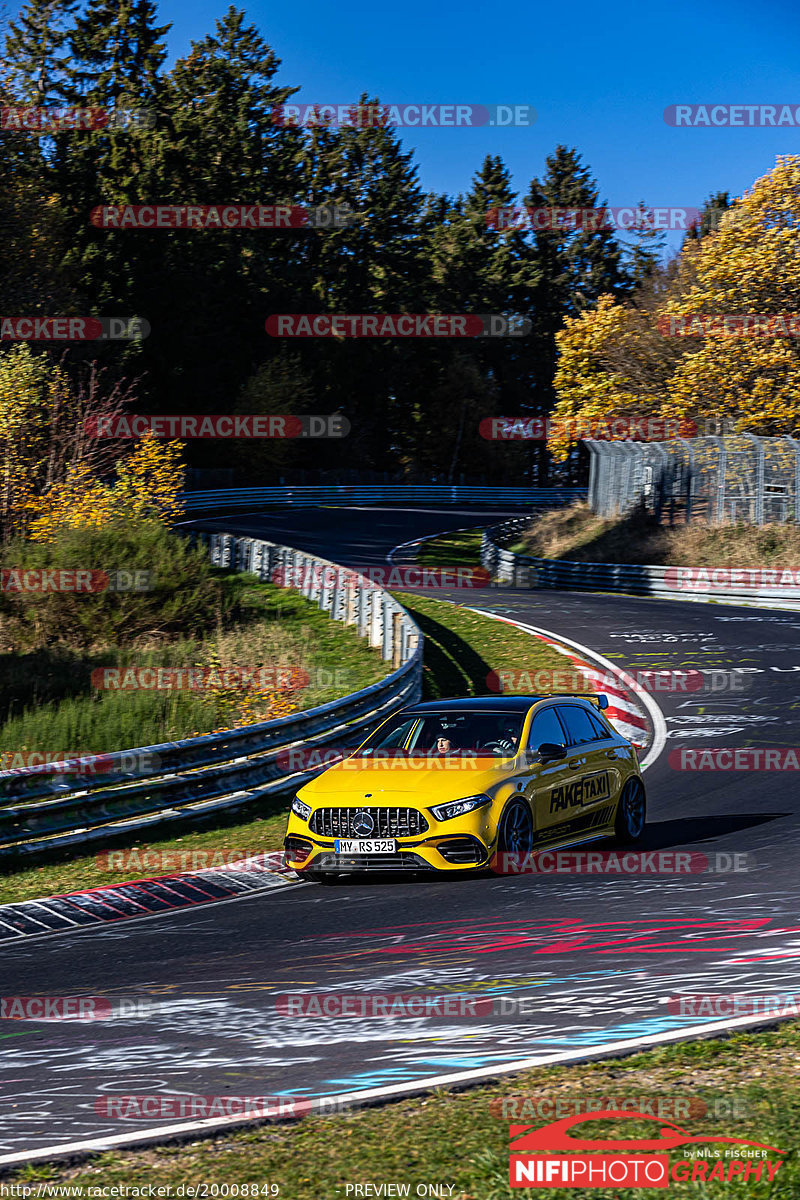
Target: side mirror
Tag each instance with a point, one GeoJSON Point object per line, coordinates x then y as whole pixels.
{"type": "Point", "coordinates": [550, 752]}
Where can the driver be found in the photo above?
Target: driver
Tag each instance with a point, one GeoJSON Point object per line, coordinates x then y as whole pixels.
{"type": "Point", "coordinates": [444, 745]}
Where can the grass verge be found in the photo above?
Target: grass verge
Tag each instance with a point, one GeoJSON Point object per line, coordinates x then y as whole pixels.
{"type": "Point", "coordinates": [50, 703]}
{"type": "Point", "coordinates": [460, 1139]}
{"type": "Point", "coordinates": [461, 649]}
{"type": "Point", "coordinates": [460, 548]}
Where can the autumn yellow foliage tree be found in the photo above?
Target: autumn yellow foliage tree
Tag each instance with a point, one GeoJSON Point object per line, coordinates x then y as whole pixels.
{"type": "Point", "coordinates": [147, 486]}
{"type": "Point", "coordinates": [614, 362]}
{"type": "Point", "coordinates": [28, 389]}
{"type": "Point", "coordinates": [46, 415]}
{"type": "Point", "coordinates": [611, 367]}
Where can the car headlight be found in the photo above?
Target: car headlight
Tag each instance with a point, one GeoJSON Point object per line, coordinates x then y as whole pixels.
{"type": "Point", "coordinates": [457, 808]}
{"type": "Point", "coordinates": [300, 809]}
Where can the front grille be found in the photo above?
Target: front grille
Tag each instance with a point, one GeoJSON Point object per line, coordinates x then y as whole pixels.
{"type": "Point", "coordinates": [388, 822]}
{"type": "Point", "coordinates": [404, 860]}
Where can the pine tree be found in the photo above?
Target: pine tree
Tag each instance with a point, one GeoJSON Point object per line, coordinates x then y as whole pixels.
{"type": "Point", "coordinates": [36, 58]}
{"type": "Point", "coordinates": [211, 291]}
{"type": "Point", "coordinates": [479, 267]}
{"type": "Point", "coordinates": [644, 255]}
{"type": "Point", "coordinates": [577, 265]}
{"type": "Point", "coordinates": [716, 204]}
{"type": "Point", "coordinates": [377, 264]}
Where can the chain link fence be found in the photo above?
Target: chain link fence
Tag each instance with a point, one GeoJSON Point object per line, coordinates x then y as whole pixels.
{"type": "Point", "coordinates": [736, 477]}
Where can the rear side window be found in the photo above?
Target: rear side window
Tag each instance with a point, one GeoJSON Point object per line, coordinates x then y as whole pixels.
{"type": "Point", "coordinates": [602, 730]}
{"type": "Point", "coordinates": [578, 724]}
{"type": "Point", "coordinates": [546, 727]}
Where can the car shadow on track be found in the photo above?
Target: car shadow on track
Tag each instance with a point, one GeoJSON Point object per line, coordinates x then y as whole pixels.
{"type": "Point", "coordinates": [683, 831]}
{"type": "Point", "coordinates": [673, 835]}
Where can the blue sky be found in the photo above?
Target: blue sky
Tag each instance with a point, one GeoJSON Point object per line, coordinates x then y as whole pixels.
{"type": "Point", "coordinates": [599, 75]}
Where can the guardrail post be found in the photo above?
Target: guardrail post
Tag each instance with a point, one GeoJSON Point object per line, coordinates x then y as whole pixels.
{"type": "Point", "coordinates": [337, 595]}
{"type": "Point", "coordinates": [225, 550]}
{"type": "Point", "coordinates": [362, 609]}
{"type": "Point", "coordinates": [268, 562]}
{"type": "Point", "coordinates": [281, 566]}
{"type": "Point", "coordinates": [350, 600]}
{"type": "Point", "coordinates": [242, 550]}
{"type": "Point", "coordinates": [376, 621]}
{"type": "Point", "coordinates": [315, 581]}
{"type": "Point", "coordinates": [386, 608]}
{"type": "Point", "coordinates": [326, 591]}
{"type": "Point", "coordinates": [396, 646]}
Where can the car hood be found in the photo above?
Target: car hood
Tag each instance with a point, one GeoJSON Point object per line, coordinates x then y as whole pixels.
{"type": "Point", "coordinates": [443, 778]}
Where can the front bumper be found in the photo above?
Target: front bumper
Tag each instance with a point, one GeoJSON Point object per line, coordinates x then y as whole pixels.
{"type": "Point", "coordinates": [456, 851]}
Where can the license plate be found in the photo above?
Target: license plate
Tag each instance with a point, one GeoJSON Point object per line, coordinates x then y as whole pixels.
{"type": "Point", "coordinates": [385, 846]}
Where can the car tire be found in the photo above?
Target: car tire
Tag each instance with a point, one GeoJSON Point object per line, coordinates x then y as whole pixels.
{"type": "Point", "coordinates": [514, 834]}
{"type": "Point", "coordinates": [631, 813]}
{"type": "Point", "coordinates": [328, 877]}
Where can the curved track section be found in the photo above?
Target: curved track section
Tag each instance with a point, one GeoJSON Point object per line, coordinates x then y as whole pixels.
{"type": "Point", "coordinates": [566, 965]}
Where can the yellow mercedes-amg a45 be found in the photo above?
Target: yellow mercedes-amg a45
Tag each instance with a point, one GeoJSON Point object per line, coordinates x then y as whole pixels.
{"type": "Point", "coordinates": [455, 785]}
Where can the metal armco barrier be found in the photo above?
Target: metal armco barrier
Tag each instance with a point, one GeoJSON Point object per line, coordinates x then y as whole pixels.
{"type": "Point", "coordinates": [310, 496]}
{"type": "Point", "coordinates": [104, 798]}
{"type": "Point", "coordinates": [524, 571]}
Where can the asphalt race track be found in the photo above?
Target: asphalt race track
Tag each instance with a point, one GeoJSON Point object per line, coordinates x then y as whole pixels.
{"type": "Point", "coordinates": [593, 959]}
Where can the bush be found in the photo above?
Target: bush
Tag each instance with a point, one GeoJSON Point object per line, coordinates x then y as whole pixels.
{"type": "Point", "coordinates": [183, 593]}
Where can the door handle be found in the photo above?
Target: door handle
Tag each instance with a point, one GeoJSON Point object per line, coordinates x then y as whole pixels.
{"type": "Point", "coordinates": [611, 754]}
{"type": "Point", "coordinates": [576, 762]}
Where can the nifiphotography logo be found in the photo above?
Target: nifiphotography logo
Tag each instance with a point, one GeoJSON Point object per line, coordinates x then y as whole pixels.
{"type": "Point", "coordinates": [596, 1163]}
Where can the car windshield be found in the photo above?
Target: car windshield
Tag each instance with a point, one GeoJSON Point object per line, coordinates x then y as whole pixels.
{"type": "Point", "coordinates": [446, 734]}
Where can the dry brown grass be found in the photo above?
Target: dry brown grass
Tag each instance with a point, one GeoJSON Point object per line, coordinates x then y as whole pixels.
{"type": "Point", "coordinates": [576, 534]}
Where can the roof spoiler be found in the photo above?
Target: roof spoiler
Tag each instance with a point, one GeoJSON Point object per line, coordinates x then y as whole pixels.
{"type": "Point", "coordinates": [597, 698]}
